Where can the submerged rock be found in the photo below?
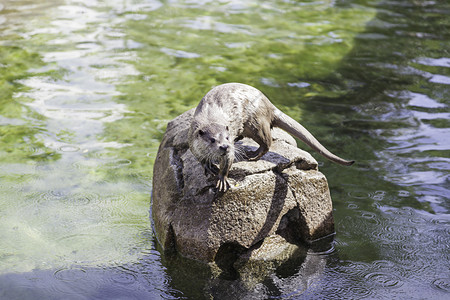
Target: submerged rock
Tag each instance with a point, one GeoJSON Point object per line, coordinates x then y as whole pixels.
{"type": "Point", "coordinates": [282, 198]}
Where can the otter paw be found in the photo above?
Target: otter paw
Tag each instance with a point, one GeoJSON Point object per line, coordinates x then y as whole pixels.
{"type": "Point", "coordinates": [222, 184]}
{"type": "Point", "coordinates": [253, 155]}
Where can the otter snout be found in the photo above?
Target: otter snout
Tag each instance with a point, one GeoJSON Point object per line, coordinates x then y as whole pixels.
{"type": "Point", "coordinates": [224, 148]}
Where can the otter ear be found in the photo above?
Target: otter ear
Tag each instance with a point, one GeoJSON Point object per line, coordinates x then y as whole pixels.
{"type": "Point", "coordinates": [201, 132]}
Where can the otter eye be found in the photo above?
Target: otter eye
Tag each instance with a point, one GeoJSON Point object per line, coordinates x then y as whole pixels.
{"type": "Point", "coordinates": [228, 138]}
{"type": "Point", "coordinates": [213, 140]}
{"type": "Point", "coordinates": [227, 128]}
{"type": "Point", "coordinates": [201, 132]}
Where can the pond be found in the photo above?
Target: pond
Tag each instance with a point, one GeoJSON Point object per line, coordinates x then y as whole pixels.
{"type": "Point", "coordinates": [87, 88]}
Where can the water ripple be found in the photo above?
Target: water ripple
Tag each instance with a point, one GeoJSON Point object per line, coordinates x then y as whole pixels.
{"type": "Point", "coordinates": [323, 252]}
{"type": "Point", "coordinates": [69, 148]}
{"type": "Point", "coordinates": [124, 276]}
{"type": "Point", "coordinates": [70, 274]}
{"type": "Point", "coordinates": [359, 194]}
{"type": "Point", "coordinates": [118, 163]}
{"type": "Point", "coordinates": [354, 267]}
{"type": "Point", "coordinates": [442, 284]}
{"type": "Point", "coordinates": [385, 280]}
{"type": "Point", "coordinates": [370, 217]}
{"type": "Point", "coordinates": [379, 195]}
{"type": "Point", "coordinates": [358, 292]}
{"type": "Point", "coordinates": [390, 233]}
{"type": "Point", "coordinates": [352, 206]}
{"type": "Point", "coordinates": [75, 281]}
{"type": "Point", "coordinates": [63, 196]}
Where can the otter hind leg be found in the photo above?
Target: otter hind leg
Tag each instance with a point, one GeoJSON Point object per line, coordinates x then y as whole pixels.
{"type": "Point", "coordinates": [257, 154]}
{"type": "Point", "coordinates": [238, 138]}
{"type": "Point", "coordinates": [264, 138]}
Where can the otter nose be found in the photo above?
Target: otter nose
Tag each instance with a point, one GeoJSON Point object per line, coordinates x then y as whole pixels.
{"type": "Point", "coordinates": [224, 147]}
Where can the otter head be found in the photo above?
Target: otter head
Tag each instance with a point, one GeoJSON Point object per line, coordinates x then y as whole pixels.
{"type": "Point", "coordinates": [216, 138]}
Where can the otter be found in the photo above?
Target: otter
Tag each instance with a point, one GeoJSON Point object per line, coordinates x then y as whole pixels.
{"type": "Point", "coordinates": [232, 111]}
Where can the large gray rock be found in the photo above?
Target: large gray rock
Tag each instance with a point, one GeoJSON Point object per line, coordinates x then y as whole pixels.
{"type": "Point", "coordinates": [282, 197]}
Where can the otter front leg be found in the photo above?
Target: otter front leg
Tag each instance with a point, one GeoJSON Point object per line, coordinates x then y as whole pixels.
{"type": "Point", "coordinates": [222, 184]}
{"type": "Point", "coordinates": [225, 166]}
{"type": "Point", "coordinates": [210, 168]}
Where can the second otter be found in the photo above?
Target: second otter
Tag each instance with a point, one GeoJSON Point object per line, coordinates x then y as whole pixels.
{"type": "Point", "coordinates": [228, 113]}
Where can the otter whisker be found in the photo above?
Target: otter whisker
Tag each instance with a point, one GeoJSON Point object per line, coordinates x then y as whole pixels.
{"type": "Point", "coordinates": [239, 153]}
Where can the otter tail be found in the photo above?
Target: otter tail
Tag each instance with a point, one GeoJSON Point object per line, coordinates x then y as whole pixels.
{"type": "Point", "coordinates": [288, 124]}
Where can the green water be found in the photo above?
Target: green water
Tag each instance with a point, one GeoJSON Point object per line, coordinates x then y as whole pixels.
{"type": "Point", "coordinates": [87, 88]}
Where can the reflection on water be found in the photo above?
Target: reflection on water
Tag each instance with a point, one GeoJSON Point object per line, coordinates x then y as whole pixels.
{"type": "Point", "coordinates": [87, 87]}
{"type": "Point", "coordinates": [59, 201]}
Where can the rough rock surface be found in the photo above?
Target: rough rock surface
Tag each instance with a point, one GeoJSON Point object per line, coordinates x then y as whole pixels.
{"type": "Point", "coordinates": [282, 197]}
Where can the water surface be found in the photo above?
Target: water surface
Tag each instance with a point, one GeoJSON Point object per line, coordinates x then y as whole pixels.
{"type": "Point", "coordinates": [87, 88]}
